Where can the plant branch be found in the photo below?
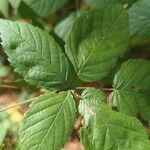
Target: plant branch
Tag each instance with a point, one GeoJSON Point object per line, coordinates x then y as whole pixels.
{"type": "Point", "coordinates": [18, 104]}
{"type": "Point", "coordinates": [8, 86]}
{"type": "Point", "coordinates": [10, 81]}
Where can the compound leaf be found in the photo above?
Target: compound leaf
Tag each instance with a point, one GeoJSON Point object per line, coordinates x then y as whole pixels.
{"type": "Point", "coordinates": [131, 83]}
{"type": "Point", "coordinates": [48, 122]}
{"type": "Point", "coordinates": [34, 54]}
{"type": "Point", "coordinates": [97, 38]}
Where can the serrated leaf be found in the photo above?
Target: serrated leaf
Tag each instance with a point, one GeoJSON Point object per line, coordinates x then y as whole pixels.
{"type": "Point", "coordinates": [4, 8]}
{"type": "Point", "coordinates": [63, 27]}
{"type": "Point", "coordinates": [45, 7]}
{"type": "Point", "coordinates": [112, 130]}
{"type": "Point", "coordinates": [48, 122]}
{"type": "Point", "coordinates": [93, 96]}
{"type": "Point", "coordinates": [100, 3]}
{"type": "Point", "coordinates": [90, 97]}
{"type": "Point", "coordinates": [34, 54]}
{"type": "Point", "coordinates": [131, 83]}
{"type": "Point", "coordinates": [96, 40]}
{"type": "Point", "coordinates": [139, 21]}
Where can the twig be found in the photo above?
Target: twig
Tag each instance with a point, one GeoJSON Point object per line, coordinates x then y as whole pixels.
{"type": "Point", "coordinates": [10, 81]}
{"type": "Point", "coordinates": [8, 86]}
{"type": "Point", "coordinates": [18, 104]}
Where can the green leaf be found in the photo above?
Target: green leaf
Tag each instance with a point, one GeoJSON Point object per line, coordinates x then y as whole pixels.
{"type": "Point", "coordinates": [90, 97]}
{"type": "Point", "coordinates": [131, 95]}
{"type": "Point", "coordinates": [15, 3]}
{"type": "Point", "coordinates": [112, 130]}
{"type": "Point", "coordinates": [4, 126]}
{"type": "Point", "coordinates": [96, 40]}
{"type": "Point", "coordinates": [48, 122]}
{"type": "Point", "coordinates": [139, 21]}
{"type": "Point", "coordinates": [93, 96]}
{"type": "Point", "coordinates": [34, 54]}
{"type": "Point", "coordinates": [45, 7]}
{"type": "Point", "coordinates": [4, 71]}
{"type": "Point", "coordinates": [100, 3]}
{"type": "Point", "coordinates": [4, 8]}
{"type": "Point", "coordinates": [62, 28]}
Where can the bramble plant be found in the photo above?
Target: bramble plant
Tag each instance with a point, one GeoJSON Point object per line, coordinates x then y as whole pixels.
{"type": "Point", "coordinates": [90, 46]}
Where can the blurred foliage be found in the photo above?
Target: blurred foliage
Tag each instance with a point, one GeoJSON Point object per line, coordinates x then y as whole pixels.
{"type": "Point", "coordinates": [4, 125]}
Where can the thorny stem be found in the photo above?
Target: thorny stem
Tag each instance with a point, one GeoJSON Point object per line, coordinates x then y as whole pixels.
{"type": "Point", "coordinates": [18, 104]}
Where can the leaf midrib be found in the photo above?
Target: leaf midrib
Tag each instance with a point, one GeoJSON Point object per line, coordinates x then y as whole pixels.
{"type": "Point", "coordinates": [53, 121]}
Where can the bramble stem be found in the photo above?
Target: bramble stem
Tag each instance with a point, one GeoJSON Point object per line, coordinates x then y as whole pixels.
{"type": "Point", "coordinates": [18, 104]}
